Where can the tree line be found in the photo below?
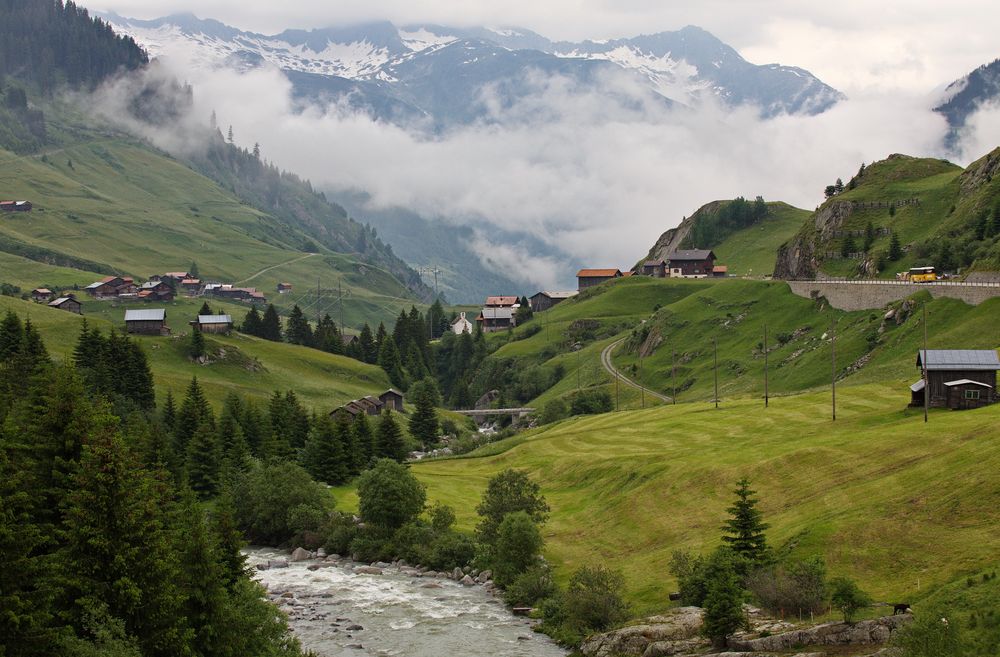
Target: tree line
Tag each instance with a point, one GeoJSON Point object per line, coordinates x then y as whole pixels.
{"type": "Point", "coordinates": [712, 228]}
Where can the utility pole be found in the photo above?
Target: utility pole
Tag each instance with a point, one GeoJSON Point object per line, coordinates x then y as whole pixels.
{"type": "Point", "coordinates": [642, 388]}
{"type": "Point", "coordinates": [715, 349]}
{"type": "Point", "coordinates": [833, 365]}
{"type": "Point", "coordinates": [923, 361]}
{"type": "Point", "coordinates": [765, 365]}
{"type": "Point", "coordinates": [673, 375]}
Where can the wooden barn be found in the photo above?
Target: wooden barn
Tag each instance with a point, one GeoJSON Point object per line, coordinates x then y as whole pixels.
{"type": "Point", "coordinates": [15, 206]}
{"type": "Point", "coordinates": [146, 322]}
{"type": "Point", "coordinates": [590, 277]}
{"type": "Point", "coordinates": [957, 378]}
{"type": "Point", "coordinates": [40, 294]}
{"type": "Point", "coordinates": [67, 303]}
{"type": "Point", "coordinates": [691, 263]}
{"type": "Point", "coordinates": [493, 319]}
{"type": "Point", "coordinates": [392, 399]}
{"type": "Point", "coordinates": [214, 323]}
{"type": "Point", "coordinates": [545, 300]}
{"type": "Point", "coordinates": [655, 268]}
{"type": "Point", "coordinates": [106, 288]}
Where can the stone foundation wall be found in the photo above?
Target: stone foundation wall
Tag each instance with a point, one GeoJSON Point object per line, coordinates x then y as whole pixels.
{"type": "Point", "coordinates": [868, 295]}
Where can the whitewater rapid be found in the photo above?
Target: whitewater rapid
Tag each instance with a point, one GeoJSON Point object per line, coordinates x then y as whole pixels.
{"type": "Point", "coordinates": [397, 614]}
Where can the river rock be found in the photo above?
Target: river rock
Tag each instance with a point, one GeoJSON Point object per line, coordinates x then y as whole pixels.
{"type": "Point", "coordinates": [368, 570]}
{"type": "Point", "coordinates": [875, 631]}
{"type": "Point", "coordinates": [263, 566]}
{"type": "Point", "coordinates": [484, 576]}
{"type": "Point", "coordinates": [467, 581]}
{"type": "Point", "coordinates": [381, 564]}
{"type": "Point", "coordinates": [301, 554]}
{"type": "Point", "coordinates": [354, 628]}
{"type": "Point", "coordinates": [320, 553]}
{"type": "Point", "coordinates": [431, 585]}
{"type": "Point", "coordinates": [287, 594]}
{"type": "Point", "coordinates": [277, 563]}
{"type": "Point", "coordinates": [679, 624]}
{"type": "Point", "coordinates": [456, 574]}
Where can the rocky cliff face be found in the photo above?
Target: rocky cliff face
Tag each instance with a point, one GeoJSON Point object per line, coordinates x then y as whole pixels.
{"type": "Point", "coordinates": [800, 257]}
{"type": "Point", "coordinates": [670, 241]}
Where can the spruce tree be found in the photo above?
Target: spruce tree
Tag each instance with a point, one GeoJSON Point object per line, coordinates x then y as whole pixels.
{"type": "Point", "coordinates": [296, 421]}
{"type": "Point", "coordinates": [424, 421]}
{"type": "Point", "coordinates": [11, 335]}
{"type": "Point", "coordinates": [298, 330]}
{"type": "Point", "coordinates": [252, 323]}
{"type": "Point", "coordinates": [389, 443]}
{"type": "Point", "coordinates": [270, 325]}
{"type": "Point", "coordinates": [196, 345]}
{"type": "Point", "coordinates": [895, 249]}
{"type": "Point", "coordinates": [205, 309]}
{"type": "Point", "coordinates": [324, 456]}
{"type": "Point", "coordinates": [390, 361]}
{"type": "Point", "coordinates": [848, 246]}
{"type": "Point", "coordinates": [744, 530]}
{"type": "Point", "coordinates": [193, 413]}
{"type": "Point", "coordinates": [229, 537]}
{"type": "Point", "coordinates": [723, 599]}
{"type": "Point", "coordinates": [353, 460]}
{"type": "Point", "coordinates": [204, 461]}
{"type": "Point", "coordinates": [380, 337]}
{"type": "Point", "coordinates": [366, 342]}
{"type": "Point", "coordinates": [202, 580]}
{"type": "Point", "coordinates": [169, 414]}
{"type": "Point", "coordinates": [364, 439]}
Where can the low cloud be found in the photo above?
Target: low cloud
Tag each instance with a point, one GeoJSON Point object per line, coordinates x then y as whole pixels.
{"type": "Point", "coordinates": [588, 176]}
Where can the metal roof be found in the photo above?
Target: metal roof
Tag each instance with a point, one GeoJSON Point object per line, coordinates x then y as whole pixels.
{"type": "Point", "coordinates": [691, 254]}
{"type": "Point", "coordinates": [918, 386]}
{"type": "Point", "coordinates": [215, 319]}
{"type": "Point", "coordinates": [497, 313]}
{"type": "Point", "coordinates": [150, 315]}
{"type": "Point", "coordinates": [61, 300]}
{"type": "Point", "coordinates": [960, 359]}
{"type": "Point", "coordinates": [559, 295]}
{"type": "Point", "coordinates": [962, 382]}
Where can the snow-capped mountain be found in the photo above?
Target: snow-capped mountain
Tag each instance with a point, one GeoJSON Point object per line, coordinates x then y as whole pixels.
{"type": "Point", "coordinates": [964, 96]}
{"type": "Point", "coordinates": [438, 73]}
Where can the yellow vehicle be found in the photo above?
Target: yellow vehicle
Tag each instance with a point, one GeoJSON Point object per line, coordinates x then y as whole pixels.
{"type": "Point", "coordinates": [921, 275]}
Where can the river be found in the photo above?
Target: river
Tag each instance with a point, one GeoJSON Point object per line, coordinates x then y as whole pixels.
{"type": "Point", "coordinates": [398, 614]}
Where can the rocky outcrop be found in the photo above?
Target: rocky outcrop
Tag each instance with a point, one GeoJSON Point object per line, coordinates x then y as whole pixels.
{"type": "Point", "coordinates": [679, 625]}
{"type": "Point", "coordinates": [875, 631]}
{"type": "Point", "coordinates": [671, 240]}
{"type": "Point", "coordinates": [800, 257]}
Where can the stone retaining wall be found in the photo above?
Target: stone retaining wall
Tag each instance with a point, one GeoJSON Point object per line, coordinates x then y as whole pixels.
{"type": "Point", "coordinates": [873, 295]}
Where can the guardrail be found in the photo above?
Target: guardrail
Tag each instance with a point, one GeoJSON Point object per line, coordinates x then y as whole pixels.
{"type": "Point", "coordinates": [876, 281]}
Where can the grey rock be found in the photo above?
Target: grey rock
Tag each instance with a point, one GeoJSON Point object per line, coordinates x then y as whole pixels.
{"type": "Point", "coordinates": [681, 624]}
{"type": "Point", "coordinates": [456, 574]}
{"type": "Point", "coordinates": [484, 576]}
{"type": "Point", "coordinates": [277, 563]}
{"type": "Point", "coordinates": [301, 554]}
{"type": "Point", "coordinates": [368, 570]}
{"type": "Point", "coordinates": [354, 628]}
{"type": "Point", "coordinates": [467, 581]}
{"type": "Point", "coordinates": [320, 553]}
{"type": "Point", "coordinates": [875, 631]}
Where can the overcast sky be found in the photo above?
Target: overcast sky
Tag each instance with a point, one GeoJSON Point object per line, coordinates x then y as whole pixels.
{"type": "Point", "coordinates": [853, 45]}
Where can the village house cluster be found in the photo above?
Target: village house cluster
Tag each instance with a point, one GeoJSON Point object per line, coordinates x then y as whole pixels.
{"type": "Point", "coordinates": [165, 287]}
{"type": "Point", "coordinates": [391, 399]}
{"type": "Point", "coordinates": [689, 263]}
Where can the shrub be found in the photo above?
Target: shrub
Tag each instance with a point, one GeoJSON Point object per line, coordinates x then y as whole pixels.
{"type": "Point", "coordinates": [933, 634]}
{"type": "Point", "coordinates": [389, 495]}
{"type": "Point", "coordinates": [690, 573]}
{"type": "Point", "coordinates": [341, 530]}
{"type": "Point", "coordinates": [371, 545]}
{"type": "Point", "coordinates": [797, 587]}
{"type": "Point", "coordinates": [553, 411]}
{"type": "Point", "coordinates": [848, 598]}
{"type": "Point", "coordinates": [593, 601]}
{"type": "Point", "coordinates": [588, 402]}
{"type": "Point", "coordinates": [451, 549]}
{"type": "Point", "coordinates": [412, 542]}
{"type": "Point", "coordinates": [517, 547]}
{"type": "Point", "coordinates": [530, 587]}
{"type": "Point", "coordinates": [508, 492]}
{"type": "Point", "coordinates": [275, 501]}
{"type": "Point", "coordinates": [442, 517]}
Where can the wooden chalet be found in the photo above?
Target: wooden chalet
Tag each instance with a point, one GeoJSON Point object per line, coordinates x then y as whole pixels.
{"type": "Point", "coordinates": [15, 206]}
{"type": "Point", "coordinates": [146, 322]}
{"type": "Point", "coordinates": [372, 405]}
{"type": "Point", "coordinates": [691, 263]}
{"type": "Point", "coordinates": [214, 323]}
{"type": "Point", "coordinates": [545, 300]}
{"type": "Point", "coordinates": [392, 400]}
{"type": "Point", "coordinates": [493, 319]}
{"type": "Point", "coordinates": [106, 288]}
{"type": "Point", "coordinates": [350, 409]}
{"type": "Point", "coordinates": [502, 302]}
{"type": "Point", "coordinates": [461, 324]}
{"type": "Point", "coordinates": [957, 378]}
{"type": "Point", "coordinates": [591, 277]}
{"type": "Point", "coordinates": [67, 303]}
{"type": "Point", "coordinates": [191, 286]}
{"type": "Point", "coordinates": [284, 288]}
{"type": "Point", "coordinates": [655, 268]}
{"type": "Point", "coordinates": [156, 291]}
{"type": "Point", "coordinates": [41, 294]}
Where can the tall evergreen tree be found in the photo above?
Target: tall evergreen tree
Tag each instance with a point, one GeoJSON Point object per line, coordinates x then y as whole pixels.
{"type": "Point", "coordinates": [11, 335]}
{"type": "Point", "coordinates": [389, 443]}
{"type": "Point", "coordinates": [324, 456]}
{"type": "Point", "coordinates": [202, 580]}
{"type": "Point", "coordinates": [205, 309]}
{"type": "Point", "coordinates": [424, 421]}
{"type": "Point", "coordinates": [744, 530]}
{"type": "Point", "coordinates": [723, 599]}
{"type": "Point", "coordinates": [230, 538]}
{"type": "Point", "coordinates": [270, 325]}
{"type": "Point", "coordinates": [895, 248]}
{"type": "Point", "coordinates": [364, 439]}
{"type": "Point", "coordinates": [252, 323]}
{"type": "Point", "coordinates": [390, 361]}
{"type": "Point", "coordinates": [366, 342]}
{"type": "Point", "coordinates": [169, 414]}
{"type": "Point", "coordinates": [204, 461]}
{"type": "Point", "coordinates": [298, 330]}
{"type": "Point", "coordinates": [380, 338]}
{"type": "Point", "coordinates": [193, 413]}
{"type": "Point", "coordinates": [196, 344]}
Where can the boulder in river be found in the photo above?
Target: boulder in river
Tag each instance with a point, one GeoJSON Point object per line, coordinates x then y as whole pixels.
{"type": "Point", "coordinates": [277, 563]}
{"type": "Point", "coordinates": [368, 570]}
{"type": "Point", "coordinates": [484, 576]}
{"type": "Point", "coordinates": [301, 554]}
{"type": "Point", "coordinates": [467, 581]}
{"type": "Point", "coordinates": [456, 574]}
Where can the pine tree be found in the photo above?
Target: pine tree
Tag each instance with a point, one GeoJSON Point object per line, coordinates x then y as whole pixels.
{"type": "Point", "coordinates": [723, 599]}
{"type": "Point", "coordinates": [435, 319]}
{"type": "Point", "coordinates": [848, 246]}
{"type": "Point", "coordinates": [229, 135]}
{"type": "Point", "coordinates": [202, 581]}
{"type": "Point", "coordinates": [230, 538]}
{"type": "Point", "coordinates": [895, 249]}
{"type": "Point", "coordinates": [252, 323]}
{"type": "Point", "coordinates": [256, 151]}
{"type": "Point", "coordinates": [369, 351]}
{"type": "Point", "coordinates": [298, 330]}
{"type": "Point", "coordinates": [256, 429]}
{"type": "Point", "coordinates": [838, 186]}
{"type": "Point", "coordinates": [270, 325]}
{"type": "Point", "coordinates": [169, 415]}
{"type": "Point", "coordinates": [296, 421]}
{"type": "Point", "coordinates": [391, 363]}
{"type": "Point", "coordinates": [324, 456]}
{"type": "Point", "coordinates": [744, 531]}
{"type": "Point", "coordinates": [380, 338]}
{"type": "Point", "coordinates": [11, 335]}
{"type": "Point", "coordinates": [196, 344]}
{"type": "Point", "coordinates": [364, 439]}
{"type": "Point", "coordinates": [193, 271]}
{"type": "Point", "coordinates": [869, 236]}
{"type": "Point", "coordinates": [205, 309]}
{"type": "Point", "coordinates": [193, 413]}
{"type": "Point", "coordinates": [424, 421]}
{"type": "Point", "coordinates": [204, 461]}
{"type": "Point", "coordinates": [389, 442]}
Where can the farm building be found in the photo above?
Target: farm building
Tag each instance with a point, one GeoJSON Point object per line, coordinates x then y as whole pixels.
{"type": "Point", "coordinates": [493, 319]}
{"type": "Point", "coordinates": [106, 288]}
{"type": "Point", "coordinates": [214, 323]}
{"type": "Point", "coordinates": [392, 399]}
{"type": "Point", "coordinates": [545, 300]}
{"type": "Point", "coordinates": [591, 277]}
{"type": "Point", "coordinates": [691, 263]}
{"type": "Point", "coordinates": [156, 291]}
{"type": "Point", "coordinates": [501, 302]}
{"type": "Point", "coordinates": [284, 288]}
{"type": "Point", "coordinates": [146, 322]}
{"type": "Point", "coordinates": [957, 378]}
{"type": "Point", "coordinates": [461, 325]}
{"type": "Point", "coordinates": [191, 286]}
{"type": "Point", "coordinates": [655, 268]}
{"type": "Point", "coordinates": [15, 206]}
{"type": "Point", "coordinates": [67, 303]}
{"type": "Point", "coordinates": [720, 271]}
{"type": "Point", "coordinates": [350, 409]}
{"type": "Point", "coordinates": [41, 294]}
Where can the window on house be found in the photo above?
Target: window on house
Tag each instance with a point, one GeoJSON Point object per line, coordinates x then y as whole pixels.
{"type": "Point", "coordinates": [972, 394]}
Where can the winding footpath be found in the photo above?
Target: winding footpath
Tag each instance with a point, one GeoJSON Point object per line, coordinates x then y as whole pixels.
{"type": "Point", "coordinates": [606, 362]}
{"type": "Point", "coordinates": [267, 269]}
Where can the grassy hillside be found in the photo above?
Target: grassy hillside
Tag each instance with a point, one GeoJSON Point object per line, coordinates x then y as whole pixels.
{"type": "Point", "coordinates": [247, 365]}
{"type": "Point", "coordinates": [115, 205]}
{"type": "Point", "coordinates": [751, 251]}
{"type": "Point", "coordinates": [902, 506]}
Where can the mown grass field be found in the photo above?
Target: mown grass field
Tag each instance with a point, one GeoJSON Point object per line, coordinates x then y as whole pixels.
{"type": "Point", "coordinates": [122, 205]}
{"type": "Point", "coordinates": [901, 506]}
